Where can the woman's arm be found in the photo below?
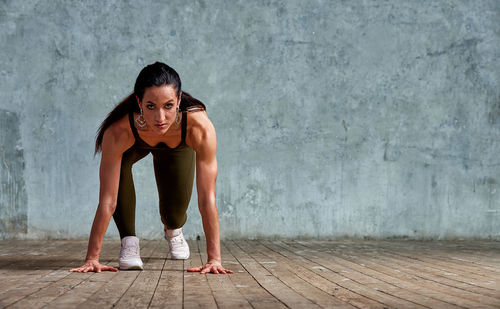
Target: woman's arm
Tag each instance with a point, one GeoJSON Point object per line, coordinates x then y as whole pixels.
{"type": "Point", "coordinates": [206, 177]}
{"type": "Point", "coordinates": [205, 144]}
{"type": "Point", "coordinates": [109, 175]}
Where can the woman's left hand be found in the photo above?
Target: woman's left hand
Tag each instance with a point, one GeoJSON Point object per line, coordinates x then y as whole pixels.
{"type": "Point", "coordinates": [212, 267]}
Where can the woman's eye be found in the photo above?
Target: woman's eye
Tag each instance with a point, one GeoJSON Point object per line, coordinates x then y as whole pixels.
{"type": "Point", "coordinates": [150, 106]}
{"type": "Point", "coordinates": [169, 106]}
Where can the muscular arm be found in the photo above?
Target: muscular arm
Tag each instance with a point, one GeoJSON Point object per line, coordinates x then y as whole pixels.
{"type": "Point", "coordinates": [206, 176]}
{"type": "Point", "coordinates": [109, 175]}
{"type": "Point", "coordinates": [113, 145]}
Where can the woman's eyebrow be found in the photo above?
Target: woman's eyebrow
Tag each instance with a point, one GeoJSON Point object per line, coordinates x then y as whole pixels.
{"type": "Point", "coordinates": [163, 103]}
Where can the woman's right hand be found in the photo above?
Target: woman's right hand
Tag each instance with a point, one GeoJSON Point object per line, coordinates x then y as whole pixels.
{"type": "Point", "coordinates": [92, 265]}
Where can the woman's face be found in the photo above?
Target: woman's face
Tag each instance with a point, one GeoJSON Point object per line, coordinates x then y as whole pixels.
{"type": "Point", "coordinates": [159, 107]}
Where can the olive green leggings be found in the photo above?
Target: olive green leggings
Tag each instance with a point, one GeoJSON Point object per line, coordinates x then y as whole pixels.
{"type": "Point", "coordinates": [174, 172]}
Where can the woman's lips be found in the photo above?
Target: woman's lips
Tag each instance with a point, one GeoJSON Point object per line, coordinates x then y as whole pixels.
{"type": "Point", "coordinates": [161, 126]}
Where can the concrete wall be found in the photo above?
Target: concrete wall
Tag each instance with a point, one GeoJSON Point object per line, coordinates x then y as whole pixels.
{"type": "Point", "coordinates": [334, 118]}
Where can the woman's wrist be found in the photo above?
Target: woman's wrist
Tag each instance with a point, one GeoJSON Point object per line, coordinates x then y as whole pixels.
{"type": "Point", "coordinates": [214, 261]}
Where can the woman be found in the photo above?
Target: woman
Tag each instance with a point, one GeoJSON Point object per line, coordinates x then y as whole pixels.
{"type": "Point", "coordinates": [157, 118]}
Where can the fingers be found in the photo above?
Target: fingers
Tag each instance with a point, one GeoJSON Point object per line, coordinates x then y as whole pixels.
{"type": "Point", "coordinates": [98, 269]}
{"type": "Point", "coordinates": [224, 271]}
{"type": "Point", "coordinates": [207, 268]}
{"type": "Point", "coordinates": [109, 268]}
{"type": "Point", "coordinates": [195, 269]}
{"type": "Point", "coordinates": [216, 270]}
{"type": "Point", "coordinates": [78, 269]}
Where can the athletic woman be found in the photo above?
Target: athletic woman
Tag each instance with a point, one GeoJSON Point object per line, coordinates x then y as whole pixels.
{"type": "Point", "coordinates": [160, 119]}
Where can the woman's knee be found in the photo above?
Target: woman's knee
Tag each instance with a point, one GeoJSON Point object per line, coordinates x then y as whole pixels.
{"type": "Point", "coordinates": [174, 220]}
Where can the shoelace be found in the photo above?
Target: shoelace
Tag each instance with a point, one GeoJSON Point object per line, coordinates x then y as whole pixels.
{"type": "Point", "coordinates": [177, 241]}
{"type": "Point", "coordinates": [129, 251]}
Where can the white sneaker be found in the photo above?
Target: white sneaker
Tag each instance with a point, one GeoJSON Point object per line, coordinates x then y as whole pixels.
{"type": "Point", "coordinates": [130, 253]}
{"type": "Point", "coordinates": [179, 248]}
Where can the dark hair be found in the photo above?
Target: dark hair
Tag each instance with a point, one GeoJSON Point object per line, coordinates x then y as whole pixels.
{"type": "Point", "coordinates": [156, 74]}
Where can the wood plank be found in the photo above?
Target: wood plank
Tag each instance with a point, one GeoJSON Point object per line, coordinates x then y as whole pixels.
{"type": "Point", "coordinates": [408, 266]}
{"type": "Point", "coordinates": [141, 291]}
{"type": "Point", "coordinates": [114, 289]}
{"type": "Point", "coordinates": [63, 278]}
{"type": "Point", "coordinates": [313, 273]}
{"type": "Point", "coordinates": [466, 273]}
{"type": "Point", "coordinates": [27, 257]}
{"type": "Point", "coordinates": [272, 284]}
{"type": "Point", "coordinates": [437, 294]}
{"type": "Point", "coordinates": [169, 291]}
{"type": "Point", "coordinates": [197, 293]}
{"type": "Point", "coordinates": [286, 272]}
{"type": "Point", "coordinates": [75, 288]}
{"type": "Point", "coordinates": [354, 280]}
{"type": "Point", "coordinates": [225, 293]}
{"type": "Point", "coordinates": [440, 255]}
{"type": "Point", "coordinates": [257, 296]}
{"type": "Point", "coordinates": [46, 264]}
{"type": "Point", "coordinates": [483, 249]}
{"type": "Point", "coordinates": [268, 274]}
{"type": "Point", "coordinates": [24, 255]}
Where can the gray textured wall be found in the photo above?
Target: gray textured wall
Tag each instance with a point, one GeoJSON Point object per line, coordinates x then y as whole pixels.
{"type": "Point", "coordinates": [334, 118]}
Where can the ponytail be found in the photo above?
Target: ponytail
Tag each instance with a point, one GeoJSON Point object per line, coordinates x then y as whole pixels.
{"type": "Point", "coordinates": [123, 108]}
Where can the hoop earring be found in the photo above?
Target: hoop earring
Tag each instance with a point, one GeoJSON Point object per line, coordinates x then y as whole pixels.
{"type": "Point", "coordinates": [140, 121]}
{"type": "Point", "coordinates": [177, 118]}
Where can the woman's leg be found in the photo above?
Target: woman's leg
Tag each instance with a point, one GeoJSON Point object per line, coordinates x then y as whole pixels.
{"type": "Point", "coordinates": [174, 172]}
{"type": "Point", "coordinates": [124, 214]}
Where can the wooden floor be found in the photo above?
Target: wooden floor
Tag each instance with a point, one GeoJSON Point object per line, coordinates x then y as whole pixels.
{"type": "Point", "coordinates": [268, 274]}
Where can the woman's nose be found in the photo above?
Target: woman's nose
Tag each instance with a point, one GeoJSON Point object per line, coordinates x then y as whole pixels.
{"type": "Point", "coordinates": [160, 116]}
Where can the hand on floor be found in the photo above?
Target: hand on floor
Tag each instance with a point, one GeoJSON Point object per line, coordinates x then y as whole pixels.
{"type": "Point", "coordinates": [212, 267]}
{"type": "Point", "coordinates": [92, 265]}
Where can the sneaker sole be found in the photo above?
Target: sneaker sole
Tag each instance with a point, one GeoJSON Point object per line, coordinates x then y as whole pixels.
{"type": "Point", "coordinates": [135, 267]}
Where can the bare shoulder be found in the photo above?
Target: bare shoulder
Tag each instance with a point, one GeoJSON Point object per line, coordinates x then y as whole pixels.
{"type": "Point", "coordinates": [200, 131]}
{"type": "Point", "coordinates": [118, 137]}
